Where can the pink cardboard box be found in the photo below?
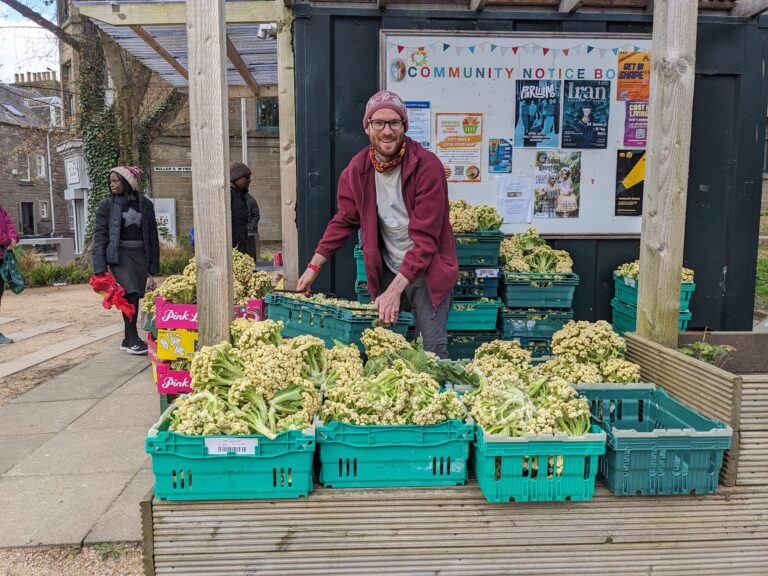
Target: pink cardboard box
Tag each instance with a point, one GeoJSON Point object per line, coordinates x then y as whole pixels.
{"type": "Point", "coordinates": [174, 316]}
{"type": "Point", "coordinates": [173, 381]}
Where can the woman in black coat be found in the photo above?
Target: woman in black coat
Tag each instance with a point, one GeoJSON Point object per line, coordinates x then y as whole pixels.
{"type": "Point", "coordinates": [126, 240]}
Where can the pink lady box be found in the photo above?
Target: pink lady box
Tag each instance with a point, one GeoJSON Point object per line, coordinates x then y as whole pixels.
{"type": "Point", "coordinates": [184, 316]}
{"type": "Point", "coordinates": [171, 381]}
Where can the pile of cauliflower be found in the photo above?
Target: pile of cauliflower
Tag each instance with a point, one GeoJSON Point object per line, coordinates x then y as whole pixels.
{"type": "Point", "coordinates": [632, 270]}
{"type": "Point", "coordinates": [528, 252]}
{"type": "Point", "coordinates": [466, 219]}
{"type": "Point", "coordinates": [182, 288]}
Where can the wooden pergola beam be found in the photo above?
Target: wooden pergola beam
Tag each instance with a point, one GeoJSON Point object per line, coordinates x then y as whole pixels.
{"type": "Point", "coordinates": [173, 13]}
{"type": "Point", "coordinates": [477, 5]}
{"type": "Point", "coordinates": [569, 5]}
{"type": "Point", "coordinates": [287, 112]}
{"type": "Point", "coordinates": [162, 52]}
{"type": "Point", "coordinates": [749, 8]}
{"type": "Point", "coordinates": [673, 71]}
{"type": "Point", "coordinates": [242, 67]}
{"type": "Point", "coordinates": [209, 130]}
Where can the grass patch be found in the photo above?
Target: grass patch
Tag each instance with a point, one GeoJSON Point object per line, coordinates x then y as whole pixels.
{"type": "Point", "coordinates": [764, 223]}
{"type": "Point", "coordinates": [761, 282]}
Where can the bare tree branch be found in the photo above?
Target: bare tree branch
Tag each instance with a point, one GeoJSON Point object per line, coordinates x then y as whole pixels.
{"type": "Point", "coordinates": [43, 22]}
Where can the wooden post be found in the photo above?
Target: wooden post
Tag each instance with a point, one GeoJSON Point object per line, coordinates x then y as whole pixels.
{"type": "Point", "coordinates": [287, 113]}
{"type": "Point", "coordinates": [209, 131]}
{"type": "Point", "coordinates": [673, 65]}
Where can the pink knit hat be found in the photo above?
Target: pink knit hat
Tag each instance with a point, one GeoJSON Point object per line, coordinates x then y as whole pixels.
{"type": "Point", "coordinates": [385, 99]}
{"type": "Point", "coordinates": [132, 175]}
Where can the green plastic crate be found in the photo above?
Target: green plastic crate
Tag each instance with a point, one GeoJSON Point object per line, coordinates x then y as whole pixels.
{"type": "Point", "coordinates": [354, 456]}
{"type": "Point", "coordinates": [625, 290]}
{"type": "Point", "coordinates": [327, 322]}
{"type": "Point", "coordinates": [363, 296]}
{"type": "Point", "coordinates": [520, 469]}
{"type": "Point", "coordinates": [538, 347]}
{"type": "Point", "coordinates": [479, 249]}
{"type": "Point", "coordinates": [250, 466]}
{"type": "Point", "coordinates": [474, 316]}
{"type": "Point", "coordinates": [533, 323]}
{"type": "Point", "coordinates": [656, 445]}
{"type": "Point", "coordinates": [625, 318]}
{"type": "Point", "coordinates": [360, 264]}
{"type": "Point", "coordinates": [530, 290]}
{"type": "Point", "coordinates": [462, 345]}
{"type": "Point", "coordinates": [476, 283]}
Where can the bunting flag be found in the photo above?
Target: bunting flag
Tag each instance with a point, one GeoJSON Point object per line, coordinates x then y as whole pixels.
{"type": "Point", "coordinates": [565, 51]}
{"type": "Point", "coordinates": [471, 49]}
{"type": "Point", "coordinates": [590, 48]}
{"type": "Point", "coordinates": [546, 51]}
{"type": "Point", "coordinates": [603, 51]}
{"type": "Point", "coordinates": [493, 47]}
{"type": "Point", "coordinates": [530, 48]}
{"type": "Point", "coordinates": [615, 51]}
{"type": "Point", "coordinates": [514, 50]}
{"type": "Point", "coordinates": [637, 48]}
{"type": "Point", "coordinates": [446, 46]}
{"type": "Point", "coordinates": [578, 48]}
{"type": "Point", "coordinates": [483, 46]}
{"type": "Point", "coordinates": [400, 48]}
{"type": "Point", "coordinates": [505, 49]}
{"type": "Point", "coordinates": [459, 50]}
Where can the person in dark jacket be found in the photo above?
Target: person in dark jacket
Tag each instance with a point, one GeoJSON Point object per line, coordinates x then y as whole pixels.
{"type": "Point", "coordinates": [125, 239]}
{"type": "Point", "coordinates": [9, 237]}
{"type": "Point", "coordinates": [254, 243]}
{"type": "Point", "coordinates": [240, 181]}
{"type": "Point", "coordinates": [395, 192]}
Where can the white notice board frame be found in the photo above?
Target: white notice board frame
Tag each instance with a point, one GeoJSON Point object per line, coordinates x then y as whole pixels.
{"type": "Point", "coordinates": [449, 72]}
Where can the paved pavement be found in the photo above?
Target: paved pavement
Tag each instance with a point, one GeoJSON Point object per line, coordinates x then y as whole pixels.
{"type": "Point", "coordinates": [72, 461]}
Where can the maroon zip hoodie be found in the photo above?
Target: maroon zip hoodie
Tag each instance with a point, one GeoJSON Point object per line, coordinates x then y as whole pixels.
{"type": "Point", "coordinates": [425, 192]}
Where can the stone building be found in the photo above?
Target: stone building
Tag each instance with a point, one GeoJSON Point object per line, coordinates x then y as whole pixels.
{"type": "Point", "coordinates": [31, 174]}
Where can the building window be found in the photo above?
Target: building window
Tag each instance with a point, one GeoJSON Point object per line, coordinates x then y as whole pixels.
{"type": "Point", "coordinates": [71, 214]}
{"type": "Point", "coordinates": [22, 172]}
{"type": "Point", "coordinates": [44, 210]}
{"type": "Point", "coordinates": [267, 118]}
{"type": "Point", "coordinates": [40, 166]}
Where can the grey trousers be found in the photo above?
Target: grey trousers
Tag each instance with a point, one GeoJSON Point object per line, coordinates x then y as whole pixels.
{"type": "Point", "coordinates": [431, 322]}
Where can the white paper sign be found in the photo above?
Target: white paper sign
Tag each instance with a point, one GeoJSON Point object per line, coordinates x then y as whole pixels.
{"type": "Point", "coordinates": [231, 445]}
{"type": "Point", "coordinates": [515, 198]}
{"type": "Point", "coordinates": [420, 123]}
{"type": "Point", "coordinates": [487, 273]}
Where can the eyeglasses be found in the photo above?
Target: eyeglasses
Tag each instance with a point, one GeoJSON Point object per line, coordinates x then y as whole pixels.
{"type": "Point", "coordinates": [394, 125]}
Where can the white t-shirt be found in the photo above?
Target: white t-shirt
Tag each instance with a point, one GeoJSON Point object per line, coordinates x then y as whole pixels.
{"type": "Point", "coordinates": [393, 218]}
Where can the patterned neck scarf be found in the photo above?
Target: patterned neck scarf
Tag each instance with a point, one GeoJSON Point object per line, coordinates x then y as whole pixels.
{"type": "Point", "coordinates": [386, 166]}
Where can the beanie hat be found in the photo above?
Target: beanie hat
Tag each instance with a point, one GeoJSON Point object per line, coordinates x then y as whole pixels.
{"type": "Point", "coordinates": [132, 175]}
{"type": "Point", "coordinates": [237, 170]}
{"type": "Point", "coordinates": [385, 99]}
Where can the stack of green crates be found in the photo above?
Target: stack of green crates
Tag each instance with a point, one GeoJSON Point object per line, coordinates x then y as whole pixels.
{"type": "Point", "coordinates": [474, 316]}
{"type": "Point", "coordinates": [536, 306]}
{"type": "Point", "coordinates": [624, 304]}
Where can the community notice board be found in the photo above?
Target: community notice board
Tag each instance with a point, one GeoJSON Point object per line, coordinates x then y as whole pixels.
{"type": "Point", "coordinates": [550, 129]}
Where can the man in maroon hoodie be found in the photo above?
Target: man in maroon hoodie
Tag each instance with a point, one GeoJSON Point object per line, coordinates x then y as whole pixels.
{"type": "Point", "coordinates": [396, 193]}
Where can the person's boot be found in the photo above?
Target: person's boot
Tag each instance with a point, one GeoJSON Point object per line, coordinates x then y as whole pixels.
{"type": "Point", "coordinates": [5, 339]}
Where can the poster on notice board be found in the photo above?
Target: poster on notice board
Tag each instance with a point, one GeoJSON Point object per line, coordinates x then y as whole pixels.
{"type": "Point", "coordinates": [586, 110]}
{"type": "Point", "coordinates": [537, 107]}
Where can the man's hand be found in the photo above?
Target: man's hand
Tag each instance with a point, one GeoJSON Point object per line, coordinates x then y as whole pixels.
{"type": "Point", "coordinates": [305, 282]}
{"type": "Point", "coordinates": [12, 245]}
{"type": "Point", "coordinates": [388, 303]}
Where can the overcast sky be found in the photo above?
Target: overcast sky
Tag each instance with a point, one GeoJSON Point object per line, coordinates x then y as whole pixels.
{"type": "Point", "coordinates": [24, 46]}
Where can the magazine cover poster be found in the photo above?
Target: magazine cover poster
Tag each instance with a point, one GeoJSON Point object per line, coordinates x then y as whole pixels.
{"type": "Point", "coordinates": [538, 113]}
{"type": "Point", "coordinates": [630, 178]}
{"type": "Point", "coordinates": [586, 108]}
{"type": "Point", "coordinates": [557, 184]}
{"type": "Point", "coordinates": [633, 81]}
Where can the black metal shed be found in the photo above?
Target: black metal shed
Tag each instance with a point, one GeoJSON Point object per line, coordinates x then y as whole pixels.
{"type": "Point", "coordinates": [337, 54]}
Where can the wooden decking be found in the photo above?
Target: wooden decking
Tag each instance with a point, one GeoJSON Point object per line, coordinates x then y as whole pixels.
{"type": "Point", "coordinates": [454, 531]}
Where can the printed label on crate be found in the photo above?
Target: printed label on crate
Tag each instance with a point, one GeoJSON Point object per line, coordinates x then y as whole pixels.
{"type": "Point", "coordinates": [630, 281]}
{"type": "Point", "coordinates": [231, 445]}
{"type": "Point", "coordinates": [173, 344]}
{"type": "Point", "coordinates": [487, 272]}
